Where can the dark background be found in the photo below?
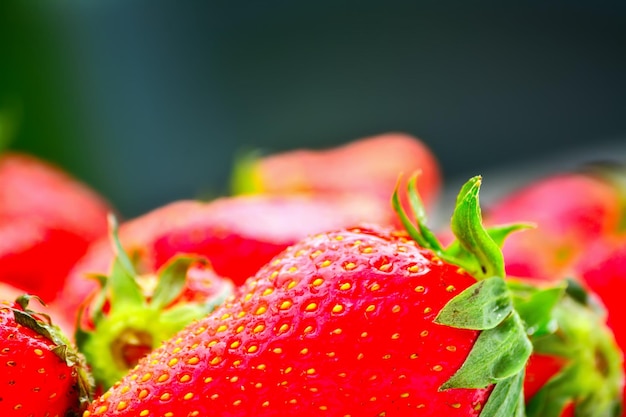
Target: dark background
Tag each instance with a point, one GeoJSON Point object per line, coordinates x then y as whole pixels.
{"type": "Point", "coordinates": [148, 101]}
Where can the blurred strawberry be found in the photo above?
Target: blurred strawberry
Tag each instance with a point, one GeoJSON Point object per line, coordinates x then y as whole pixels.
{"type": "Point", "coordinates": [236, 234]}
{"type": "Point", "coordinates": [368, 166]}
{"type": "Point", "coordinates": [571, 211]}
{"type": "Point", "coordinates": [47, 220]}
{"type": "Point", "coordinates": [605, 274]}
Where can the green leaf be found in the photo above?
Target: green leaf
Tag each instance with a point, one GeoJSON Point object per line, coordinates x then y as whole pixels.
{"type": "Point", "coordinates": [501, 232]}
{"type": "Point", "coordinates": [481, 306]}
{"type": "Point", "coordinates": [171, 281]}
{"type": "Point", "coordinates": [497, 354]}
{"type": "Point", "coordinates": [120, 253]}
{"type": "Point", "coordinates": [467, 226]}
{"type": "Point", "coordinates": [507, 398]}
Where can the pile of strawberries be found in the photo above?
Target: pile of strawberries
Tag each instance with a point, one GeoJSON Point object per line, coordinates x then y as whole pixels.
{"type": "Point", "coordinates": [317, 288]}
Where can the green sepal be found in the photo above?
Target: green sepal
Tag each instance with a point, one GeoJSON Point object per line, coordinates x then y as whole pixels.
{"type": "Point", "coordinates": [419, 212]}
{"type": "Point", "coordinates": [466, 224]}
{"type": "Point", "coordinates": [414, 231]}
{"type": "Point", "coordinates": [535, 305]}
{"type": "Point", "coordinates": [31, 319]}
{"type": "Point", "coordinates": [507, 398]}
{"type": "Point", "coordinates": [476, 249]}
{"type": "Point", "coordinates": [497, 354]}
{"type": "Point", "coordinates": [171, 281]}
{"type": "Point", "coordinates": [479, 307]}
{"type": "Point", "coordinates": [497, 233]}
{"type": "Point", "coordinates": [124, 291]}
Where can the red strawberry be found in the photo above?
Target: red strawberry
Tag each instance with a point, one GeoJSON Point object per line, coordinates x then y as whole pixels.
{"type": "Point", "coordinates": [354, 322]}
{"type": "Point", "coordinates": [571, 211]}
{"type": "Point", "coordinates": [42, 373]}
{"type": "Point", "coordinates": [368, 166]}
{"type": "Point", "coordinates": [47, 220]}
{"type": "Point", "coordinates": [131, 315]}
{"type": "Point", "coordinates": [237, 234]}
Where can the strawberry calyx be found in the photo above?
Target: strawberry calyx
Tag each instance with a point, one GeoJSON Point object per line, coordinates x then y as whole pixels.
{"type": "Point", "coordinates": [475, 249]}
{"type": "Point", "coordinates": [502, 349]}
{"type": "Point", "coordinates": [131, 315]}
{"type": "Point", "coordinates": [517, 319]}
{"type": "Point", "coordinates": [592, 375]}
{"type": "Point", "coordinates": [63, 348]}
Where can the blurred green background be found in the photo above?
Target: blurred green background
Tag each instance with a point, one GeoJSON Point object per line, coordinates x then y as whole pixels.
{"type": "Point", "coordinates": [148, 101]}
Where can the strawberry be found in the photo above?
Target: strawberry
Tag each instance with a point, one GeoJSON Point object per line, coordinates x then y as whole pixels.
{"type": "Point", "coordinates": [367, 166]}
{"type": "Point", "coordinates": [131, 315]}
{"type": "Point", "coordinates": [236, 234]}
{"type": "Point", "coordinates": [47, 220]}
{"type": "Point", "coordinates": [359, 322]}
{"type": "Point", "coordinates": [571, 211]}
{"type": "Point", "coordinates": [42, 375]}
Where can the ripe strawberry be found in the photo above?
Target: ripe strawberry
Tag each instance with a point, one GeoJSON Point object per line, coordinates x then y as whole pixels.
{"type": "Point", "coordinates": [131, 315]}
{"type": "Point", "coordinates": [237, 234]}
{"type": "Point", "coordinates": [571, 211]}
{"type": "Point", "coordinates": [359, 322]}
{"type": "Point", "coordinates": [47, 219]}
{"type": "Point", "coordinates": [367, 166]}
{"type": "Point", "coordinates": [42, 373]}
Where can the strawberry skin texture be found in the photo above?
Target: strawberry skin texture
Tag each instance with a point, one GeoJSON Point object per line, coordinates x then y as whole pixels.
{"type": "Point", "coordinates": [237, 234]}
{"type": "Point", "coordinates": [339, 324]}
{"type": "Point", "coordinates": [35, 380]}
{"type": "Point", "coordinates": [47, 220]}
